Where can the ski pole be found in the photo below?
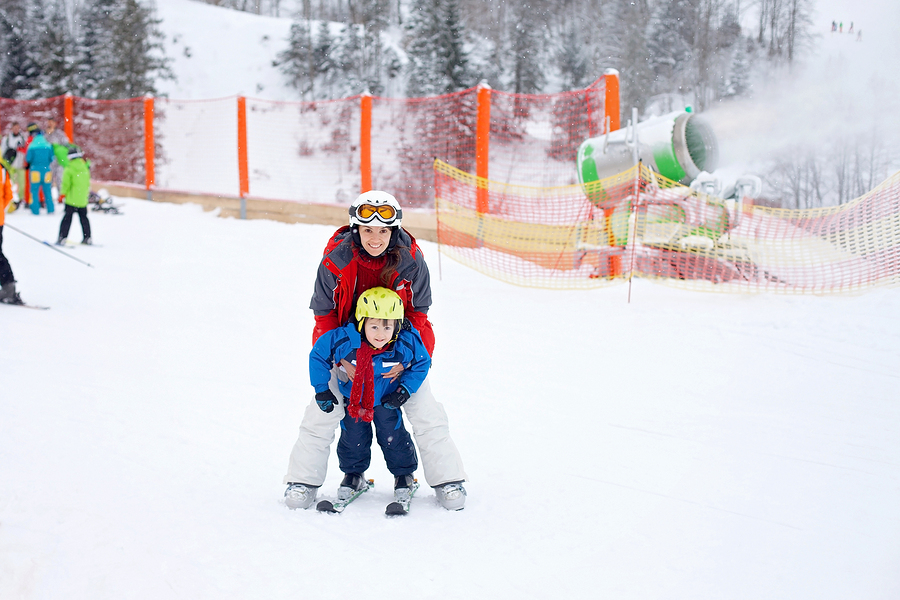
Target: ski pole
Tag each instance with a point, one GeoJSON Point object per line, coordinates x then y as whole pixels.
{"type": "Point", "coordinates": [49, 245]}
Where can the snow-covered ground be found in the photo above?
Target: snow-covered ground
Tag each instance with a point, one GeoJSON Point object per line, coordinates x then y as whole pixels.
{"type": "Point", "coordinates": [683, 445]}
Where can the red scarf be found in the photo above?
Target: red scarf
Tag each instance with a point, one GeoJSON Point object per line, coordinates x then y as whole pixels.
{"type": "Point", "coordinates": [362, 396]}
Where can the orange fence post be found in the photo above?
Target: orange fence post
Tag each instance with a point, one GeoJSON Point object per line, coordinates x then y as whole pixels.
{"type": "Point", "coordinates": [149, 146]}
{"type": "Point", "coordinates": [611, 103]}
{"type": "Point", "coordinates": [243, 171]}
{"type": "Point", "coordinates": [68, 117]}
{"type": "Point", "coordinates": [482, 144]}
{"type": "Point", "coordinates": [365, 142]}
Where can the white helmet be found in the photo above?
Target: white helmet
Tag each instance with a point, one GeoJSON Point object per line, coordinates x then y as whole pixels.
{"type": "Point", "coordinates": [376, 207]}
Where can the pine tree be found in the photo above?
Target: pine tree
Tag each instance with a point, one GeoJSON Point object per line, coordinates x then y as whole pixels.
{"type": "Point", "coordinates": [629, 53]}
{"type": "Point", "coordinates": [525, 45]}
{"type": "Point", "coordinates": [19, 72]}
{"type": "Point", "coordinates": [138, 61]}
{"type": "Point", "coordinates": [56, 52]}
{"type": "Point", "coordinates": [438, 61]}
{"type": "Point", "coordinates": [572, 59]}
{"type": "Point", "coordinates": [297, 61]}
{"type": "Point", "coordinates": [94, 22]}
{"type": "Point", "coordinates": [669, 46]}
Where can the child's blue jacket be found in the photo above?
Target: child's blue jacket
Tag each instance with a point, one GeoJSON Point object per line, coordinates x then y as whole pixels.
{"type": "Point", "coordinates": [343, 342]}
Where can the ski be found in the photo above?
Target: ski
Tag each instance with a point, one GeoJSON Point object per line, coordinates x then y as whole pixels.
{"type": "Point", "coordinates": [23, 305]}
{"type": "Point", "coordinates": [401, 506]}
{"type": "Point", "coordinates": [339, 505]}
{"type": "Point", "coordinates": [78, 245]}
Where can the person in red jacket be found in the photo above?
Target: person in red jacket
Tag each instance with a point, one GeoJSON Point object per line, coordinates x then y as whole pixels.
{"type": "Point", "coordinates": [372, 251]}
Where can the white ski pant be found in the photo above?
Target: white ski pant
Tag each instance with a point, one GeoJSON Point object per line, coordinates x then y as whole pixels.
{"type": "Point", "coordinates": [438, 454]}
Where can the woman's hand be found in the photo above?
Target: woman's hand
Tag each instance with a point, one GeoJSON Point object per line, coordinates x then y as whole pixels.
{"type": "Point", "coordinates": [394, 373]}
{"type": "Point", "coordinates": [349, 367]}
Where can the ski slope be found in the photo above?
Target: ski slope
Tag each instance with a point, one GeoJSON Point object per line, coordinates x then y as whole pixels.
{"type": "Point", "coordinates": [682, 445]}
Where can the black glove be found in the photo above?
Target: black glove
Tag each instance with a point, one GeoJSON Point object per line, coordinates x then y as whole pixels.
{"type": "Point", "coordinates": [326, 401]}
{"type": "Point", "coordinates": [397, 398]}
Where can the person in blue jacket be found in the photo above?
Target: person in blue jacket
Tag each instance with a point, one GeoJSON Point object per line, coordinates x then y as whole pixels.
{"type": "Point", "coordinates": [380, 340]}
{"type": "Point", "coordinates": [37, 160]}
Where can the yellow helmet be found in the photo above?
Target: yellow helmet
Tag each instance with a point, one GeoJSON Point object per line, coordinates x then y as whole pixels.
{"type": "Point", "coordinates": [378, 303]}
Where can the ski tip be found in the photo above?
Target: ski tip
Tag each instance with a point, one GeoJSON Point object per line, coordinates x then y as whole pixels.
{"type": "Point", "coordinates": [395, 509]}
{"type": "Point", "coordinates": [326, 506]}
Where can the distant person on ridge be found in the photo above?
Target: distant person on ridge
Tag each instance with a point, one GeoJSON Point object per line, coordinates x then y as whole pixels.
{"type": "Point", "coordinates": [75, 189]}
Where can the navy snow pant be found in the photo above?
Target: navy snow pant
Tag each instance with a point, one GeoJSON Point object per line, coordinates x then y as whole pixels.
{"type": "Point", "coordinates": [6, 274]}
{"type": "Point", "coordinates": [354, 449]}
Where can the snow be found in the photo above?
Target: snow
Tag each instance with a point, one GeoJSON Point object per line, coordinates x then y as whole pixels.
{"type": "Point", "coordinates": [682, 445]}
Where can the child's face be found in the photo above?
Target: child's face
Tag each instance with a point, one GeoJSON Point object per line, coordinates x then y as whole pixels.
{"type": "Point", "coordinates": [379, 332]}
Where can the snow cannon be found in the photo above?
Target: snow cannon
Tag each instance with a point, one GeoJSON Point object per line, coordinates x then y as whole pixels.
{"type": "Point", "coordinates": [679, 145]}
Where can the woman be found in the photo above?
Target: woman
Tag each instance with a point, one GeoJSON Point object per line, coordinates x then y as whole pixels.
{"type": "Point", "coordinates": [374, 250]}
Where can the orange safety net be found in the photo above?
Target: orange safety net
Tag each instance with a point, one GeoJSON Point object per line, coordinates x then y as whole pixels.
{"type": "Point", "coordinates": [641, 224]}
{"type": "Point", "coordinates": [313, 151]}
{"type": "Point", "coordinates": [110, 131]}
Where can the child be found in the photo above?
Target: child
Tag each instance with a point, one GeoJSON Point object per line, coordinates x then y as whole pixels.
{"type": "Point", "coordinates": [380, 341]}
{"type": "Point", "coordinates": [75, 189]}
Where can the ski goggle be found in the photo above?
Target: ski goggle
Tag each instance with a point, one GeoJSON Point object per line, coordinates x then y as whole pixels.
{"type": "Point", "coordinates": [383, 212]}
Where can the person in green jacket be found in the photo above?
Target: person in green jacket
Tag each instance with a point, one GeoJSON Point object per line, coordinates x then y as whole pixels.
{"type": "Point", "coordinates": [75, 189]}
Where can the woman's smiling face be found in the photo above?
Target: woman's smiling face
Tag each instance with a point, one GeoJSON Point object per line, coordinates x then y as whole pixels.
{"type": "Point", "coordinates": [374, 240]}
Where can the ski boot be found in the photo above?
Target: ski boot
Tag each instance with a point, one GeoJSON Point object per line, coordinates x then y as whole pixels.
{"type": "Point", "coordinates": [8, 294]}
{"type": "Point", "coordinates": [87, 241]}
{"type": "Point", "coordinates": [61, 241]}
{"type": "Point", "coordinates": [352, 483]}
{"type": "Point", "coordinates": [299, 495]}
{"type": "Point", "coordinates": [403, 488]}
{"type": "Point", "coordinates": [452, 496]}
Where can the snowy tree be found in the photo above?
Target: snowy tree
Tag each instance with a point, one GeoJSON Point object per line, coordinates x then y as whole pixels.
{"type": "Point", "coordinates": [119, 50]}
{"type": "Point", "coordinates": [19, 70]}
{"type": "Point", "coordinates": [94, 22]}
{"type": "Point", "coordinates": [630, 54]}
{"type": "Point", "coordinates": [55, 51]}
{"type": "Point", "coordinates": [438, 62]}
{"type": "Point", "coordinates": [572, 59]}
{"type": "Point", "coordinates": [139, 61]}
{"type": "Point", "coordinates": [525, 46]}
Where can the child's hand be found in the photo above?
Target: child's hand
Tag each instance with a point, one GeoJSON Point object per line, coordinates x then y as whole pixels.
{"type": "Point", "coordinates": [326, 401]}
{"type": "Point", "coordinates": [394, 373]}
{"type": "Point", "coordinates": [397, 398]}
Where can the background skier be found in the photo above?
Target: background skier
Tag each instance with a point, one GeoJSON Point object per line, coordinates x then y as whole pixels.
{"type": "Point", "coordinates": [8, 292]}
{"type": "Point", "coordinates": [55, 136]}
{"type": "Point", "coordinates": [13, 150]}
{"type": "Point", "coordinates": [37, 160]}
{"type": "Point", "coordinates": [76, 187]}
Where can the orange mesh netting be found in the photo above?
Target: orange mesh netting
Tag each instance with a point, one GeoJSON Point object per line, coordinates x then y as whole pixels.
{"type": "Point", "coordinates": [325, 151]}
{"type": "Point", "coordinates": [648, 226]}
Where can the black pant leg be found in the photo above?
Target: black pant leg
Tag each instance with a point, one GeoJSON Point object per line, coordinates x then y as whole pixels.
{"type": "Point", "coordinates": [66, 222]}
{"type": "Point", "coordinates": [85, 224]}
{"type": "Point", "coordinates": [6, 274]}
